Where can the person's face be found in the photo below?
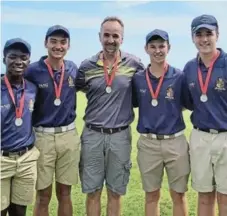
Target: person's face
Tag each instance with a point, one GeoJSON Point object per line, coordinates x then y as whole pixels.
{"type": "Point", "coordinates": [205, 40]}
{"type": "Point", "coordinates": [157, 50]}
{"type": "Point", "coordinates": [16, 62]}
{"type": "Point", "coordinates": [111, 36]}
{"type": "Point", "coordinates": [57, 46]}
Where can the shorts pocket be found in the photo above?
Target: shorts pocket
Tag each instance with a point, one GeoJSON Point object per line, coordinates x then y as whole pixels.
{"type": "Point", "coordinates": [127, 168]}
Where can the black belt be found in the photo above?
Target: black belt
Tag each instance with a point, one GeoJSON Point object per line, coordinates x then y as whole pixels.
{"type": "Point", "coordinates": [18, 152]}
{"type": "Point", "coordinates": [106, 130]}
{"type": "Point", "coordinates": [213, 131]}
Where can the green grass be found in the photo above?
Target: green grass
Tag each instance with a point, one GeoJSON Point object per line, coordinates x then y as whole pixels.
{"type": "Point", "coordinates": [133, 201]}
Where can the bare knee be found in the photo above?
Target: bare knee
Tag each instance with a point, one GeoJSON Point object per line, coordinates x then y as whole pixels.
{"type": "Point", "coordinates": [207, 198]}
{"type": "Point", "coordinates": [44, 196]}
{"type": "Point", "coordinates": [63, 191]}
{"type": "Point", "coordinates": [95, 196]}
{"type": "Point", "coordinates": [222, 199]}
{"type": "Point", "coordinates": [112, 195]}
{"type": "Point", "coordinates": [153, 197]}
{"type": "Point", "coordinates": [177, 198]}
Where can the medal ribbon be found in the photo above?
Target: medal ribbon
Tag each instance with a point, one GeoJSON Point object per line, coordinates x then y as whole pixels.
{"type": "Point", "coordinates": [204, 86]}
{"type": "Point", "coordinates": [155, 94]}
{"type": "Point", "coordinates": [109, 79]}
{"type": "Point", "coordinates": [19, 110]}
{"type": "Point", "coordinates": [57, 88]}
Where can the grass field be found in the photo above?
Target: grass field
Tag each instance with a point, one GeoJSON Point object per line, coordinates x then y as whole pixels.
{"type": "Point", "coordinates": [133, 201]}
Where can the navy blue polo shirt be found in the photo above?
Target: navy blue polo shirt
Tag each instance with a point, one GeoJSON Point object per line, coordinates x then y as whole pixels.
{"type": "Point", "coordinates": [46, 114]}
{"type": "Point", "coordinates": [16, 137]}
{"type": "Point", "coordinates": [166, 118]}
{"type": "Point", "coordinates": [213, 113]}
{"type": "Point", "coordinates": [111, 110]}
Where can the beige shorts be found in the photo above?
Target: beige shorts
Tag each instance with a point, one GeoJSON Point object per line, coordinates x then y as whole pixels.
{"type": "Point", "coordinates": [155, 155]}
{"type": "Point", "coordinates": [208, 153]}
{"type": "Point", "coordinates": [59, 155]}
{"type": "Point", "coordinates": [18, 178]}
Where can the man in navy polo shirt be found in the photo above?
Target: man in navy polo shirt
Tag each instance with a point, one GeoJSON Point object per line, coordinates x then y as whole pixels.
{"type": "Point", "coordinates": [106, 139]}
{"type": "Point", "coordinates": [162, 144]}
{"type": "Point", "coordinates": [206, 77]}
{"type": "Point", "coordinates": [53, 120]}
{"type": "Point", "coordinates": [18, 154]}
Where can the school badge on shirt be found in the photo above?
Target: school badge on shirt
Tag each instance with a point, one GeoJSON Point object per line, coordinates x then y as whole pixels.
{"type": "Point", "coordinates": [220, 84]}
{"type": "Point", "coordinates": [31, 105]}
{"type": "Point", "coordinates": [169, 93]}
{"type": "Point", "coordinates": [70, 81]}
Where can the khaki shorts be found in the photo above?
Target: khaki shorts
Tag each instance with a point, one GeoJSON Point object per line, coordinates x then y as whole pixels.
{"type": "Point", "coordinates": [208, 153]}
{"type": "Point", "coordinates": [18, 178]}
{"type": "Point", "coordinates": [59, 155]}
{"type": "Point", "coordinates": [155, 155]}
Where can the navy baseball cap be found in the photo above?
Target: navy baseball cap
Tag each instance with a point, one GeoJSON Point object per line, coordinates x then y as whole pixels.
{"type": "Point", "coordinates": [157, 32]}
{"type": "Point", "coordinates": [204, 21]}
{"type": "Point", "coordinates": [14, 41]}
{"type": "Point", "coordinates": [57, 28]}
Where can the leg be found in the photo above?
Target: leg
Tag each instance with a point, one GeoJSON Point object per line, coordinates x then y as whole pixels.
{"type": "Point", "coordinates": [17, 210]}
{"type": "Point", "coordinates": [93, 203]}
{"type": "Point", "coordinates": [206, 204]}
{"type": "Point", "coordinates": [179, 203]}
{"type": "Point", "coordinates": [113, 203]}
{"type": "Point", "coordinates": [222, 204]}
{"type": "Point", "coordinates": [151, 166]}
{"type": "Point", "coordinates": [63, 193]}
{"type": "Point", "coordinates": [92, 169]}
{"type": "Point", "coordinates": [176, 157]}
{"type": "Point", "coordinates": [43, 198]}
{"type": "Point", "coordinates": [118, 165]}
{"type": "Point", "coordinates": [151, 203]}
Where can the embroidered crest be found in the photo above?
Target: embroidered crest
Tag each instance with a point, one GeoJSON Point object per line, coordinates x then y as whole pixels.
{"type": "Point", "coordinates": [220, 84]}
{"type": "Point", "coordinates": [169, 93]}
{"type": "Point", "coordinates": [31, 105]}
{"type": "Point", "coordinates": [71, 83]}
{"type": "Point", "coordinates": [191, 85]}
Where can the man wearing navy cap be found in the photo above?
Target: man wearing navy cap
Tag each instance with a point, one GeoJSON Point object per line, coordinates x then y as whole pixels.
{"type": "Point", "coordinates": [53, 120]}
{"type": "Point", "coordinates": [18, 154]}
{"type": "Point", "coordinates": [158, 94]}
{"type": "Point", "coordinates": [106, 138]}
{"type": "Point", "coordinates": [206, 78]}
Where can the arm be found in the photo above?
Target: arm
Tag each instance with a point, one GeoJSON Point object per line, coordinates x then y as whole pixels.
{"type": "Point", "coordinates": [80, 79]}
{"type": "Point", "coordinates": [134, 94]}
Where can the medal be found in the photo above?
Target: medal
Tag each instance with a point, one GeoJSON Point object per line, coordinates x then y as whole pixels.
{"type": "Point", "coordinates": [19, 110]}
{"type": "Point", "coordinates": [18, 122]}
{"type": "Point", "coordinates": [204, 86]}
{"type": "Point", "coordinates": [109, 78]}
{"type": "Point", "coordinates": [57, 102]}
{"type": "Point", "coordinates": [203, 98]}
{"type": "Point", "coordinates": [108, 89]}
{"type": "Point", "coordinates": [154, 102]}
{"type": "Point", "coordinates": [154, 95]}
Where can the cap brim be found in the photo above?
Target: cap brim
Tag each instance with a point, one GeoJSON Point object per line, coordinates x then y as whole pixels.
{"type": "Point", "coordinates": [210, 27]}
{"type": "Point", "coordinates": [155, 35]}
{"type": "Point", "coordinates": [21, 43]}
{"type": "Point", "coordinates": [59, 30]}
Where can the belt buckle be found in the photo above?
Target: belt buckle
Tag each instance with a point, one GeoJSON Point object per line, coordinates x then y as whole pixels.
{"type": "Point", "coordinates": [213, 131]}
{"type": "Point", "coordinates": [160, 137]}
{"type": "Point", "coordinates": [101, 130]}
{"type": "Point", "coordinates": [111, 130]}
{"type": "Point", "coordinates": [57, 130]}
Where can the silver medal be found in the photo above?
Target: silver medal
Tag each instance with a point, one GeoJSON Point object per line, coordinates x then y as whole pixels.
{"type": "Point", "coordinates": [203, 98]}
{"type": "Point", "coordinates": [154, 102]}
{"type": "Point", "coordinates": [57, 102]}
{"type": "Point", "coordinates": [108, 89]}
{"type": "Point", "coordinates": [18, 122]}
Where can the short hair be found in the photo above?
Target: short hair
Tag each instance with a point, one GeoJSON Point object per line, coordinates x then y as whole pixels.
{"type": "Point", "coordinates": [112, 19]}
